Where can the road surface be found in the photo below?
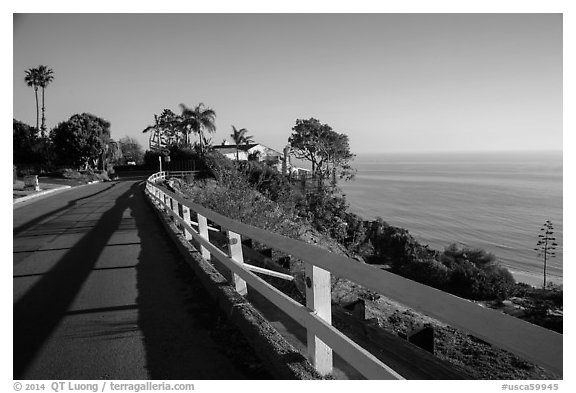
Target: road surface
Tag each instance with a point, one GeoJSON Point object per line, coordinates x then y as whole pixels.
{"type": "Point", "coordinates": [98, 293]}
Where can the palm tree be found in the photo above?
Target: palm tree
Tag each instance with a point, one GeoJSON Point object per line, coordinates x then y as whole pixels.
{"type": "Point", "coordinates": [45, 77]}
{"type": "Point", "coordinates": [155, 140]}
{"type": "Point", "coordinates": [32, 80]}
{"type": "Point", "coordinates": [240, 138]}
{"type": "Point", "coordinates": [197, 120]}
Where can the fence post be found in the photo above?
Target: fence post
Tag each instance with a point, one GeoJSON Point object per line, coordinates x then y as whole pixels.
{"type": "Point", "coordinates": [174, 207]}
{"type": "Point", "coordinates": [187, 220]}
{"type": "Point", "coordinates": [318, 300]}
{"type": "Point", "coordinates": [235, 252]}
{"type": "Point", "coordinates": [203, 231]}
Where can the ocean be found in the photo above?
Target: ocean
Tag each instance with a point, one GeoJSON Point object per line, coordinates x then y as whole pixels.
{"type": "Point", "coordinates": [494, 201]}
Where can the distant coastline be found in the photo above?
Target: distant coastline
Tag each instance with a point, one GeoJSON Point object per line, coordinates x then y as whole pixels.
{"type": "Point", "coordinates": [496, 201]}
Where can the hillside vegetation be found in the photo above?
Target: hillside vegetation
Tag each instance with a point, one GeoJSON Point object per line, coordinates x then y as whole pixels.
{"type": "Point", "coordinates": [253, 193]}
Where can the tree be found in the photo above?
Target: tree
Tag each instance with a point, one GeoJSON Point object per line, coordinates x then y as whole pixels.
{"type": "Point", "coordinates": [197, 120]}
{"type": "Point", "coordinates": [32, 79]}
{"type": "Point", "coordinates": [81, 141]}
{"type": "Point", "coordinates": [546, 245]}
{"type": "Point", "coordinates": [165, 131]}
{"type": "Point", "coordinates": [131, 150]}
{"type": "Point", "coordinates": [45, 77]}
{"type": "Point", "coordinates": [169, 123]}
{"type": "Point", "coordinates": [114, 154]}
{"type": "Point", "coordinates": [26, 146]}
{"type": "Point", "coordinates": [240, 138]}
{"type": "Point", "coordinates": [156, 136]}
{"type": "Point", "coordinates": [327, 150]}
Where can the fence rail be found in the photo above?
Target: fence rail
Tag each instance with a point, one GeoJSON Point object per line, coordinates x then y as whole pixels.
{"type": "Point", "coordinates": [531, 342]}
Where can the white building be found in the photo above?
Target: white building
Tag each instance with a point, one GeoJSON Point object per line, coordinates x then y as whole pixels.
{"type": "Point", "coordinates": [255, 151]}
{"type": "Point", "coordinates": [259, 152]}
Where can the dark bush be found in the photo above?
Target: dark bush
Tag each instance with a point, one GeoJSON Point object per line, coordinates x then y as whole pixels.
{"type": "Point", "coordinates": [219, 167]}
{"type": "Point", "coordinates": [324, 209]}
{"type": "Point", "coordinates": [265, 179]}
{"type": "Point", "coordinates": [429, 272]}
{"type": "Point", "coordinates": [151, 159]}
{"type": "Point", "coordinates": [31, 152]}
{"type": "Point", "coordinates": [396, 245]}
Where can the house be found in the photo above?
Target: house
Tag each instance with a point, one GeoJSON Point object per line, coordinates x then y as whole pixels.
{"type": "Point", "coordinates": [255, 151]}
{"type": "Point", "coordinates": [259, 152]}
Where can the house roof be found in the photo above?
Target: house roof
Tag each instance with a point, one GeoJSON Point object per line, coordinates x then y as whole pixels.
{"type": "Point", "coordinates": [227, 149]}
{"type": "Point", "coordinates": [232, 148]}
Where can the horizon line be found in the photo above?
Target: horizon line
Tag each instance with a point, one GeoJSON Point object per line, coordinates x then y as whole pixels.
{"type": "Point", "coordinates": [510, 151]}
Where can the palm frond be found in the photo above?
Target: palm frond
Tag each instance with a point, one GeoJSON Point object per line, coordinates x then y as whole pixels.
{"type": "Point", "coordinates": [45, 75]}
{"type": "Point", "coordinates": [149, 128]}
{"type": "Point", "coordinates": [32, 78]}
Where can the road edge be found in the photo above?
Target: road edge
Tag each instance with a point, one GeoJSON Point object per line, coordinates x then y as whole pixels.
{"type": "Point", "coordinates": [39, 194]}
{"type": "Point", "coordinates": [281, 359]}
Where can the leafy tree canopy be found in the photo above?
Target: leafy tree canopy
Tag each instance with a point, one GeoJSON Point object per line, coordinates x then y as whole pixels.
{"type": "Point", "coordinates": [82, 140]}
{"type": "Point", "coordinates": [131, 150]}
{"type": "Point", "coordinates": [326, 149]}
{"type": "Point", "coordinates": [26, 145]}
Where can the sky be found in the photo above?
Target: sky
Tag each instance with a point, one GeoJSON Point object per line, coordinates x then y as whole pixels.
{"type": "Point", "coordinates": [391, 82]}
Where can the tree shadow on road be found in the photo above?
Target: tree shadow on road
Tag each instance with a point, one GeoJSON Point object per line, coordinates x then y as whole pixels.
{"type": "Point", "coordinates": [185, 335]}
{"type": "Point", "coordinates": [71, 204]}
{"type": "Point", "coordinates": [38, 312]}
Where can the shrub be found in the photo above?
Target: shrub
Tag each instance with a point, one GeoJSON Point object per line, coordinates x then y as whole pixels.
{"type": "Point", "coordinates": [324, 209]}
{"type": "Point", "coordinates": [396, 244]}
{"type": "Point", "coordinates": [232, 196]}
{"type": "Point", "coordinates": [478, 257]}
{"type": "Point", "coordinates": [356, 232]}
{"type": "Point", "coordinates": [87, 176]}
{"type": "Point", "coordinates": [219, 167]}
{"type": "Point", "coordinates": [553, 294]}
{"type": "Point", "coordinates": [151, 159]}
{"type": "Point", "coordinates": [71, 174]}
{"type": "Point", "coordinates": [475, 274]}
{"type": "Point", "coordinates": [469, 273]}
{"type": "Point", "coordinates": [266, 179]}
{"type": "Point", "coordinates": [111, 172]}
{"type": "Point", "coordinates": [429, 272]}
{"type": "Point", "coordinates": [91, 175]}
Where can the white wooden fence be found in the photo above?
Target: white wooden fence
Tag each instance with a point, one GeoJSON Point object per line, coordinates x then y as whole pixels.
{"type": "Point", "coordinates": [530, 342]}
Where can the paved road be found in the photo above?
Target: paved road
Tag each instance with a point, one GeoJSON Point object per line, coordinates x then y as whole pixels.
{"type": "Point", "coordinates": [97, 294]}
